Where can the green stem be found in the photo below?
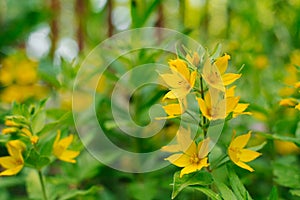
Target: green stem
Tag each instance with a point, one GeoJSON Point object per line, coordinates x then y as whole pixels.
{"type": "Point", "coordinates": [42, 184]}
{"type": "Point", "coordinates": [203, 117]}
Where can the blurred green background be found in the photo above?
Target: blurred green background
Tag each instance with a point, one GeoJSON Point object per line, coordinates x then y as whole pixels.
{"type": "Point", "coordinates": [54, 36]}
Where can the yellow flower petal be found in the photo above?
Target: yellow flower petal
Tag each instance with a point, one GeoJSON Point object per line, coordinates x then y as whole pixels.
{"type": "Point", "coordinates": [230, 78]}
{"type": "Point", "coordinates": [180, 66]}
{"type": "Point", "coordinates": [12, 171]}
{"type": "Point", "coordinates": [187, 145]}
{"type": "Point", "coordinates": [180, 160]}
{"type": "Point", "coordinates": [230, 92]}
{"type": "Point", "coordinates": [188, 169]}
{"type": "Point", "coordinates": [60, 148]}
{"type": "Point", "coordinates": [222, 63]}
{"type": "Point", "coordinates": [244, 166]}
{"type": "Point", "coordinates": [203, 108]}
{"type": "Point", "coordinates": [212, 76]}
{"type": "Point", "coordinates": [288, 102]}
{"type": "Point", "coordinates": [68, 156]}
{"type": "Point", "coordinates": [248, 155]}
{"type": "Point", "coordinates": [241, 141]}
{"type": "Point", "coordinates": [203, 148]}
{"type": "Point", "coordinates": [173, 109]}
{"type": "Point", "coordinates": [171, 148]}
{"type": "Point", "coordinates": [297, 106]}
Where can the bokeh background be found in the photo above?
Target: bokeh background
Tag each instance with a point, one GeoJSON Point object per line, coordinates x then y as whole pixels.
{"type": "Point", "coordinates": [42, 44]}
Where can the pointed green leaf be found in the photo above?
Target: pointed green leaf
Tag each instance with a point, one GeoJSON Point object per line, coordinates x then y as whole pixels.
{"type": "Point", "coordinates": [208, 192]}
{"type": "Point", "coordinates": [197, 178]}
{"type": "Point", "coordinates": [225, 191]}
{"type": "Point", "coordinates": [237, 186]}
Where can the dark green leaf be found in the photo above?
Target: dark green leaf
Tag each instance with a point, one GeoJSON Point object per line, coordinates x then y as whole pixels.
{"type": "Point", "coordinates": [197, 178]}
{"type": "Point", "coordinates": [35, 160]}
{"type": "Point", "coordinates": [274, 194]}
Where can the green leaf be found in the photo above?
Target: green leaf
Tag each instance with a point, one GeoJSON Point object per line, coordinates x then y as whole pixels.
{"type": "Point", "coordinates": [35, 160]}
{"type": "Point", "coordinates": [258, 147]}
{"type": "Point", "coordinates": [208, 192]}
{"type": "Point", "coordinates": [286, 172]}
{"type": "Point", "coordinates": [297, 134]}
{"type": "Point", "coordinates": [217, 51]}
{"type": "Point", "coordinates": [226, 192]}
{"type": "Point", "coordinates": [197, 178]}
{"type": "Point", "coordinates": [80, 193]}
{"type": "Point", "coordinates": [274, 194]}
{"type": "Point", "coordinates": [237, 186]}
{"type": "Point", "coordinates": [38, 122]}
{"type": "Point", "coordinates": [295, 192]}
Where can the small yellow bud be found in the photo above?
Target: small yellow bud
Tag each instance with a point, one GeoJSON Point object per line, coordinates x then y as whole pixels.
{"type": "Point", "coordinates": [34, 139]}
{"type": "Point", "coordinates": [9, 130]}
{"type": "Point", "coordinates": [9, 122]}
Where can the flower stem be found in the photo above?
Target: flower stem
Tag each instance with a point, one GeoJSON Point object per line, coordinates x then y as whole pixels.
{"type": "Point", "coordinates": [42, 184]}
{"type": "Point", "coordinates": [203, 117]}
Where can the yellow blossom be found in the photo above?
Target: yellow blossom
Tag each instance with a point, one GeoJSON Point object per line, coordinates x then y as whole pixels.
{"type": "Point", "coordinates": [60, 148]}
{"type": "Point", "coordinates": [288, 102]}
{"type": "Point", "coordinates": [214, 108]}
{"type": "Point", "coordinates": [13, 163]}
{"type": "Point", "coordinates": [240, 107]}
{"type": "Point", "coordinates": [188, 154]}
{"type": "Point", "coordinates": [180, 81]}
{"type": "Point", "coordinates": [238, 154]}
{"type": "Point", "coordinates": [174, 109]}
{"type": "Point", "coordinates": [214, 73]}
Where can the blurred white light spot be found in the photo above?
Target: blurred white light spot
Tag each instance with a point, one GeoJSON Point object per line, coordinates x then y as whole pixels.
{"type": "Point", "coordinates": [98, 5]}
{"type": "Point", "coordinates": [38, 43]}
{"type": "Point", "coordinates": [121, 17]}
{"type": "Point", "coordinates": [67, 49]}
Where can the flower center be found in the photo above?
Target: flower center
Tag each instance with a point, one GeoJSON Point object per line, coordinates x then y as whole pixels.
{"type": "Point", "coordinates": [194, 159]}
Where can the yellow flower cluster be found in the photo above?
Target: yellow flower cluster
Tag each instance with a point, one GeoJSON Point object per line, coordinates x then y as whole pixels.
{"type": "Point", "coordinates": [216, 101]}
{"type": "Point", "coordinates": [19, 80]}
{"type": "Point", "coordinates": [14, 162]}
{"type": "Point", "coordinates": [193, 157]}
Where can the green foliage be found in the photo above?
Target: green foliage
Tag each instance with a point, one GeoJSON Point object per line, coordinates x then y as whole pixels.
{"type": "Point", "coordinates": [199, 178]}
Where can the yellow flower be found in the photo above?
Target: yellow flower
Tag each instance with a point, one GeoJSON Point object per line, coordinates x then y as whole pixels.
{"type": "Point", "coordinates": [180, 81]}
{"type": "Point", "coordinates": [13, 163]}
{"type": "Point", "coordinates": [214, 108]}
{"type": "Point", "coordinates": [288, 102]}
{"type": "Point", "coordinates": [238, 154]}
{"type": "Point", "coordinates": [174, 109]}
{"type": "Point", "coordinates": [188, 154]}
{"type": "Point", "coordinates": [60, 148]}
{"type": "Point", "coordinates": [215, 76]}
{"type": "Point", "coordinates": [240, 107]}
